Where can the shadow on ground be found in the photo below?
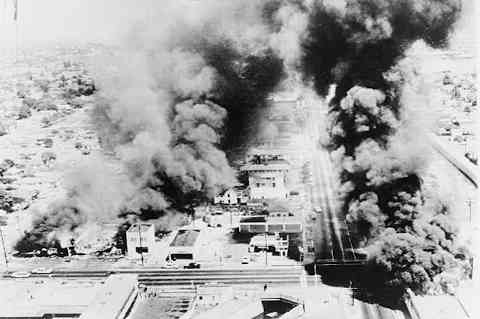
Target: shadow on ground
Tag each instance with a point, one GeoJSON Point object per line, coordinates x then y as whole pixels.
{"type": "Point", "coordinates": [365, 283]}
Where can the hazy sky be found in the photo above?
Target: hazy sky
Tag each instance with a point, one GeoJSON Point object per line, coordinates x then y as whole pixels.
{"type": "Point", "coordinates": [41, 21]}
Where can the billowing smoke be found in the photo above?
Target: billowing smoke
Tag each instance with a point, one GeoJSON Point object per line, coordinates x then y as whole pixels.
{"type": "Point", "coordinates": [176, 99]}
{"type": "Point", "coordinates": [184, 91]}
{"type": "Point", "coordinates": [356, 46]}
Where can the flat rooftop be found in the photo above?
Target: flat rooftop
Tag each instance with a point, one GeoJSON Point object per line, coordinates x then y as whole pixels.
{"type": "Point", "coordinates": [283, 219]}
{"type": "Point", "coordinates": [143, 227]}
{"type": "Point", "coordinates": [116, 295]}
{"type": "Point", "coordinates": [185, 237]}
{"type": "Point", "coordinates": [270, 166]}
{"type": "Point", "coordinates": [270, 220]}
{"type": "Point", "coordinates": [253, 219]}
{"type": "Point", "coordinates": [35, 297]}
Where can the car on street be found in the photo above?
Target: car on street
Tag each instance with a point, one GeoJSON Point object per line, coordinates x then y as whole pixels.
{"type": "Point", "coordinates": [42, 270]}
{"type": "Point", "coordinates": [21, 274]}
{"type": "Point", "coordinates": [245, 260]}
{"type": "Point", "coordinates": [472, 157]}
{"type": "Point", "coordinates": [192, 265]}
{"type": "Point", "coordinates": [444, 131]}
{"type": "Point", "coordinates": [170, 265]}
{"type": "Point", "coordinates": [317, 209]}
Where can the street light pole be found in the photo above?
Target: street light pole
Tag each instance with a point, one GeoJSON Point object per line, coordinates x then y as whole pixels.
{"type": "Point", "coordinates": [4, 249]}
{"type": "Point", "coordinates": [266, 248]}
{"type": "Point", "coordinates": [469, 203]}
{"type": "Point", "coordinates": [140, 241]}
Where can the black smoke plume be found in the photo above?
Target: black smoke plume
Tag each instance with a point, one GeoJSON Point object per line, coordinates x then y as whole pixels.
{"type": "Point", "coordinates": [356, 45]}
{"type": "Point", "coordinates": [174, 101]}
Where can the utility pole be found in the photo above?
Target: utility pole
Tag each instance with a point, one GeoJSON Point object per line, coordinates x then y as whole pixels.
{"type": "Point", "coordinates": [4, 249]}
{"type": "Point", "coordinates": [351, 291]}
{"type": "Point", "coordinates": [139, 225]}
{"type": "Point", "coordinates": [469, 203]}
{"type": "Point", "coordinates": [266, 250]}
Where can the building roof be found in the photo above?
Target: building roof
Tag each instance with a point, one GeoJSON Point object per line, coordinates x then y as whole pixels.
{"type": "Point", "coordinates": [262, 150]}
{"type": "Point", "coordinates": [260, 239]}
{"type": "Point", "coordinates": [115, 295]}
{"type": "Point", "coordinates": [238, 189]}
{"type": "Point", "coordinates": [143, 227]}
{"type": "Point", "coordinates": [283, 219]}
{"type": "Point", "coordinates": [276, 165]}
{"type": "Point", "coordinates": [253, 219]}
{"type": "Point", "coordinates": [270, 220]}
{"type": "Point", "coordinates": [185, 237]}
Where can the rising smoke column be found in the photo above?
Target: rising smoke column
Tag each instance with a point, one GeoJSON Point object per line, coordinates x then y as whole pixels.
{"type": "Point", "coordinates": [355, 45]}
{"type": "Point", "coordinates": [180, 94]}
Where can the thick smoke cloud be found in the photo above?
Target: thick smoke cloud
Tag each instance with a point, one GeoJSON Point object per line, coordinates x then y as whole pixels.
{"type": "Point", "coordinates": [186, 87]}
{"type": "Point", "coordinates": [181, 93]}
{"type": "Point", "coordinates": [357, 45]}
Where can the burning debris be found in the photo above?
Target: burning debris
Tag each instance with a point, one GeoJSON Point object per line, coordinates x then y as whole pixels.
{"type": "Point", "coordinates": [355, 46]}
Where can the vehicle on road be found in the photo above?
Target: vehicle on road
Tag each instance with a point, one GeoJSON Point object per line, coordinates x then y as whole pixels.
{"type": "Point", "coordinates": [317, 209]}
{"type": "Point", "coordinates": [52, 252]}
{"type": "Point", "coordinates": [170, 265]}
{"type": "Point", "coordinates": [245, 260]}
{"type": "Point", "coordinates": [358, 253]}
{"type": "Point", "coordinates": [192, 265]}
{"type": "Point", "coordinates": [472, 157]}
{"type": "Point", "coordinates": [444, 131]}
{"type": "Point", "coordinates": [21, 274]}
{"type": "Point", "coordinates": [42, 270]}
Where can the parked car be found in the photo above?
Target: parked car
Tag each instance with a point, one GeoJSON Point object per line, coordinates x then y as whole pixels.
{"type": "Point", "coordinates": [472, 157]}
{"type": "Point", "coordinates": [21, 274]}
{"type": "Point", "coordinates": [192, 265]}
{"type": "Point", "coordinates": [317, 209]}
{"type": "Point", "coordinates": [42, 270]}
{"type": "Point", "coordinates": [52, 251]}
{"type": "Point", "coordinates": [444, 131]}
{"type": "Point", "coordinates": [171, 265]}
{"type": "Point", "coordinates": [245, 260]}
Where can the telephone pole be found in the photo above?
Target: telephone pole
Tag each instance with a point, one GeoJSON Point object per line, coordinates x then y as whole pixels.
{"type": "Point", "coordinates": [4, 248]}
{"type": "Point", "coordinates": [469, 203]}
{"type": "Point", "coordinates": [266, 250]}
{"type": "Point", "coordinates": [139, 225]}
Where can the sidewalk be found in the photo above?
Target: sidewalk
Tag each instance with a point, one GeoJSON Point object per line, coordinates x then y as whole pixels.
{"type": "Point", "coordinates": [454, 154]}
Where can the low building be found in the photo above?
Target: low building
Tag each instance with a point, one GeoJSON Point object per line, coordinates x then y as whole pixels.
{"type": "Point", "coordinates": [266, 224]}
{"type": "Point", "coordinates": [270, 243]}
{"type": "Point", "coordinates": [140, 241]}
{"type": "Point", "coordinates": [237, 195]}
{"type": "Point", "coordinates": [185, 245]}
{"type": "Point", "coordinates": [114, 300]}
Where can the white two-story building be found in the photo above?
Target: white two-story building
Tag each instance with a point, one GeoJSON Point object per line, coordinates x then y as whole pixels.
{"type": "Point", "coordinates": [267, 178]}
{"type": "Point", "coordinates": [140, 241]}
